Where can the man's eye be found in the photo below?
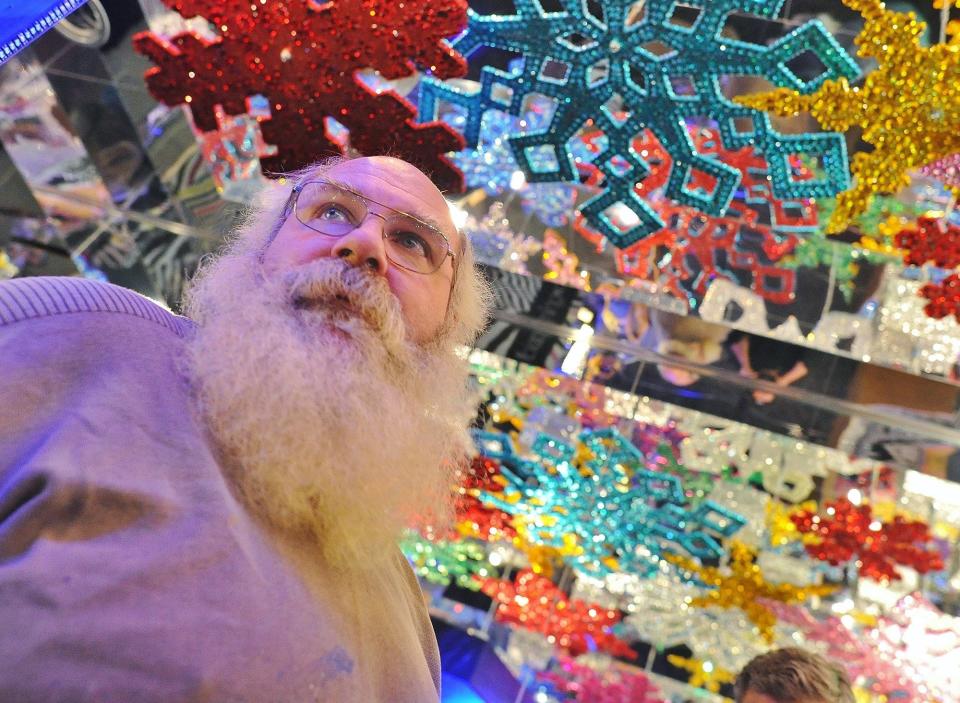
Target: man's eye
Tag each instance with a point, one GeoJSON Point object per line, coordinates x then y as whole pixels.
{"type": "Point", "coordinates": [412, 243]}
{"type": "Point", "coordinates": [331, 212]}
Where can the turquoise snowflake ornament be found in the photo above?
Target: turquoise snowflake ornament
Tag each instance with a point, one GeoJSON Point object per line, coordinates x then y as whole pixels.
{"type": "Point", "coordinates": [630, 66]}
{"type": "Point", "coordinates": [598, 496]}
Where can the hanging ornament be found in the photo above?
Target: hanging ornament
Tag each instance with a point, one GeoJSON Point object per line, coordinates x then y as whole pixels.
{"type": "Point", "coordinates": [923, 641]}
{"type": "Point", "coordinates": [930, 240]}
{"type": "Point", "coordinates": [752, 504]}
{"type": "Point", "coordinates": [596, 495]}
{"type": "Point", "coordinates": [908, 107]}
{"type": "Point", "coordinates": [849, 532]}
{"type": "Point", "coordinates": [620, 69]}
{"type": "Point", "coordinates": [837, 641]}
{"type": "Point", "coordinates": [570, 680]}
{"type": "Point", "coordinates": [443, 562]}
{"type": "Point", "coordinates": [535, 603]}
{"type": "Point", "coordinates": [944, 297]}
{"type": "Point", "coordinates": [473, 518]}
{"type": "Point", "coordinates": [660, 610]}
{"type": "Point", "coordinates": [495, 243]}
{"type": "Point", "coordinates": [703, 673]}
{"type": "Point", "coordinates": [946, 170]}
{"type": "Point", "coordinates": [561, 265]}
{"type": "Point", "coordinates": [234, 149]}
{"type": "Point", "coordinates": [303, 57]}
{"type": "Point", "coordinates": [741, 584]}
{"type": "Point", "coordinates": [782, 529]}
{"type": "Point", "coordinates": [492, 167]}
{"type": "Point", "coordinates": [694, 249]}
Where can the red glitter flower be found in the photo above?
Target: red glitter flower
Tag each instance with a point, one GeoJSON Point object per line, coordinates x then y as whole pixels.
{"type": "Point", "coordinates": [849, 531]}
{"type": "Point", "coordinates": [944, 297]}
{"type": "Point", "coordinates": [303, 56]}
{"type": "Point", "coordinates": [931, 240]}
{"type": "Point", "coordinates": [535, 603]}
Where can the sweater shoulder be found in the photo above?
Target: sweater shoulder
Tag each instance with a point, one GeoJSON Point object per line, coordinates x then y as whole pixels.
{"type": "Point", "coordinates": [23, 299]}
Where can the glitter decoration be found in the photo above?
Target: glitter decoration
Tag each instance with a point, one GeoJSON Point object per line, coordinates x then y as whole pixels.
{"type": "Point", "coordinates": [908, 107]}
{"type": "Point", "coordinates": [944, 298]}
{"type": "Point", "coordinates": [703, 672]}
{"type": "Point", "coordinates": [741, 584]}
{"type": "Point", "coordinates": [752, 504]}
{"type": "Point", "coordinates": [781, 527]}
{"type": "Point", "coordinates": [836, 331]}
{"type": "Point", "coordinates": [946, 170]}
{"type": "Point", "coordinates": [908, 338]}
{"type": "Point", "coordinates": [623, 73]}
{"type": "Point", "coordinates": [492, 167]}
{"type": "Point", "coordinates": [534, 603]}
{"type": "Point", "coordinates": [700, 249]}
{"type": "Point", "coordinates": [561, 266]}
{"type": "Point", "coordinates": [817, 249]}
{"type": "Point", "coordinates": [727, 637]}
{"type": "Point", "coordinates": [618, 515]}
{"type": "Point", "coordinates": [572, 681]}
{"type": "Point", "coordinates": [660, 611]}
{"type": "Point", "coordinates": [923, 642]}
{"type": "Point", "coordinates": [836, 641]}
{"type": "Point", "coordinates": [234, 149]}
{"type": "Point", "coordinates": [475, 519]}
{"type": "Point", "coordinates": [786, 466]}
{"type": "Point", "coordinates": [930, 239]}
{"type": "Point", "coordinates": [495, 243]}
{"type": "Point", "coordinates": [443, 562]}
{"type": "Point", "coordinates": [303, 57]}
{"type": "Point", "coordinates": [849, 532]}
{"type": "Point", "coordinates": [694, 249]}
{"type": "Point", "coordinates": [551, 203]}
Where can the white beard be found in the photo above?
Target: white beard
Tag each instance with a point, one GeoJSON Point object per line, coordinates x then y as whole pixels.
{"type": "Point", "coordinates": [330, 424]}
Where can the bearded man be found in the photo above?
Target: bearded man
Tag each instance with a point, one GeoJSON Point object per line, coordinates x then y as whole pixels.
{"type": "Point", "coordinates": [205, 508]}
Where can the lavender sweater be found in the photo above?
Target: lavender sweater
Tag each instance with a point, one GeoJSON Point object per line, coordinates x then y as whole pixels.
{"type": "Point", "coordinates": [128, 571]}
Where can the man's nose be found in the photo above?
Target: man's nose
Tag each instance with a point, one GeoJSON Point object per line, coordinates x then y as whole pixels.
{"type": "Point", "coordinates": [364, 246]}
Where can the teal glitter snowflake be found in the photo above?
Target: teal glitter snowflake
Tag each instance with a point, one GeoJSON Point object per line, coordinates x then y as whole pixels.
{"type": "Point", "coordinates": [637, 67]}
{"type": "Point", "coordinates": [619, 515]}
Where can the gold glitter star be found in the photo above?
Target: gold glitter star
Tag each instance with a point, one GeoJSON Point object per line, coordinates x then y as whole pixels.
{"type": "Point", "coordinates": [908, 108]}
{"type": "Point", "coordinates": [703, 674]}
{"type": "Point", "coordinates": [741, 585]}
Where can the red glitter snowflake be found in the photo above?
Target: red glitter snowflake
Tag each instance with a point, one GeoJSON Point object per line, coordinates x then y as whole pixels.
{"type": "Point", "coordinates": [534, 603]}
{"type": "Point", "coordinates": [304, 56]}
{"type": "Point", "coordinates": [702, 248]}
{"type": "Point", "coordinates": [849, 531]}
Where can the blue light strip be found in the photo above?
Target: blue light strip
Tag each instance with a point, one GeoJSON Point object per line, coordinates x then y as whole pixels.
{"type": "Point", "coordinates": [21, 22]}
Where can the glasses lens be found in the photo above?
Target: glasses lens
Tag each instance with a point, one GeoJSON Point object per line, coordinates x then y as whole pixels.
{"type": "Point", "coordinates": [415, 245]}
{"type": "Point", "coordinates": [329, 209]}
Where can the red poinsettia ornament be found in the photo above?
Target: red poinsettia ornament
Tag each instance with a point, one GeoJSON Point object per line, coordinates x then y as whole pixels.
{"type": "Point", "coordinates": [303, 57]}
{"type": "Point", "coordinates": [848, 531]}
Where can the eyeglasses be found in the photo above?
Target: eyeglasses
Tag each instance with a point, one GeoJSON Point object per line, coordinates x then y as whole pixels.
{"type": "Point", "coordinates": [333, 210]}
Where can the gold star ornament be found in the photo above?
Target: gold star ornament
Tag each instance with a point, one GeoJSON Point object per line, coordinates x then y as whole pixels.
{"type": "Point", "coordinates": [742, 585]}
{"type": "Point", "coordinates": [908, 107]}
